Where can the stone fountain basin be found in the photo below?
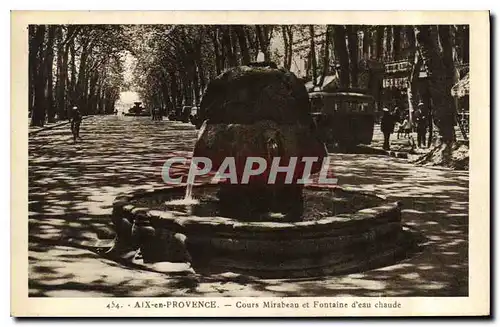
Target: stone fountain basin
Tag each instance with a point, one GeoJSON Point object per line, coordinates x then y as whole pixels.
{"type": "Point", "coordinates": [356, 240]}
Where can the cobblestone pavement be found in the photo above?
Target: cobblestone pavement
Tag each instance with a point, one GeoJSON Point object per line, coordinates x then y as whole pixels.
{"type": "Point", "coordinates": [72, 187]}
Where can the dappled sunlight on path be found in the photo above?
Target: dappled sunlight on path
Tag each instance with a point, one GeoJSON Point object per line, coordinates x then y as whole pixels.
{"type": "Point", "coordinates": [72, 187]}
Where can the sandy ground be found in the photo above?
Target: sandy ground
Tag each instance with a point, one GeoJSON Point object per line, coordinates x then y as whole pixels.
{"type": "Point", "coordinates": [72, 187]}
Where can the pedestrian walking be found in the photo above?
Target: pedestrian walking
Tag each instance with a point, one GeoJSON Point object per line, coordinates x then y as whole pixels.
{"type": "Point", "coordinates": [406, 127]}
{"type": "Point", "coordinates": [399, 128]}
{"type": "Point", "coordinates": [387, 127]}
{"type": "Point", "coordinates": [75, 118]}
{"type": "Point", "coordinates": [158, 114]}
{"type": "Point", "coordinates": [421, 122]}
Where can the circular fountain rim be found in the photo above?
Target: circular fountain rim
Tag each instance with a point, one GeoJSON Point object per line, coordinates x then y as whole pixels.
{"type": "Point", "coordinates": [331, 225]}
{"type": "Point", "coordinates": [372, 238]}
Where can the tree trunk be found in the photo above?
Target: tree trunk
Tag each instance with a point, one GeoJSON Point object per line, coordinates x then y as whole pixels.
{"type": "Point", "coordinates": [82, 79]}
{"type": "Point", "coordinates": [410, 36]}
{"type": "Point", "coordinates": [106, 99]}
{"type": "Point", "coordinates": [61, 78]}
{"type": "Point", "coordinates": [72, 84]}
{"type": "Point", "coordinates": [226, 40]}
{"type": "Point", "coordinates": [253, 42]}
{"type": "Point", "coordinates": [234, 45]}
{"type": "Point", "coordinates": [416, 62]}
{"type": "Point", "coordinates": [290, 46]}
{"type": "Point", "coordinates": [352, 35]}
{"type": "Point", "coordinates": [62, 97]}
{"type": "Point", "coordinates": [445, 38]}
{"type": "Point", "coordinates": [380, 42]}
{"type": "Point", "coordinates": [413, 80]}
{"type": "Point", "coordinates": [374, 43]}
{"type": "Point", "coordinates": [40, 79]}
{"type": "Point", "coordinates": [430, 137]}
{"type": "Point", "coordinates": [202, 77]}
{"type": "Point", "coordinates": [98, 97]}
{"type": "Point", "coordinates": [263, 37]}
{"type": "Point", "coordinates": [167, 104]}
{"type": "Point", "coordinates": [245, 54]}
{"type": "Point", "coordinates": [85, 108]}
{"type": "Point", "coordinates": [396, 44]}
{"type": "Point", "coordinates": [48, 67]}
{"type": "Point", "coordinates": [196, 84]}
{"type": "Point", "coordinates": [32, 65]}
{"type": "Point", "coordinates": [284, 33]}
{"type": "Point", "coordinates": [433, 61]}
{"type": "Point", "coordinates": [388, 44]}
{"type": "Point", "coordinates": [184, 89]}
{"type": "Point", "coordinates": [366, 43]}
{"type": "Point", "coordinates": [179, 95]}
{"type": "Point", "coordinates": [200, 72]}
{"type": "Point", "coordinates": [218, 59]}
{"type": "Point", "coordinates": [92, 101]}
{"type": "Point", "coordinates": [466, 41]}
{"type": "Point", "coordinates": [312, 49]}
{"type": "Point", "coordinates": [326, 55]}
{"type": "Point", "coordinates": [341, 54]}
{"type": "Point", "coordinates": [308, 66]}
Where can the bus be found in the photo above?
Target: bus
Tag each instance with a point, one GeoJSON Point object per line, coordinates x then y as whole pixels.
{"type": "Point", "coordinates": [344, 118]}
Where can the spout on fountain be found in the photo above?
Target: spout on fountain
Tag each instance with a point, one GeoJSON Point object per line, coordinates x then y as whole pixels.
{"type": "Point", "coordinates": [274, 145]}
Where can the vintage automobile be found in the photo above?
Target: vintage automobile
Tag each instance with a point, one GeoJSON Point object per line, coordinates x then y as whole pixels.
{"type": "Point", "coordinates": [345, 118]}
{"type": "Point", "coordinates": [137, 110]}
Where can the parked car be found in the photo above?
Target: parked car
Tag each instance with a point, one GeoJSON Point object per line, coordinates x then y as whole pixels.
{"type": "Point", "coordinates": [137, 110]}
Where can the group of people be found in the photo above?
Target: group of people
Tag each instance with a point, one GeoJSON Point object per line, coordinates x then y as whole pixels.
{"type": "Point", "coordinates": [406, 125]}
{"type": "Point", "coordinates": [156, 114]}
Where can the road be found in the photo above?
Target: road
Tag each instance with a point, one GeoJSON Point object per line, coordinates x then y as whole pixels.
{"type": "Point", "coordinates": [72, 187]}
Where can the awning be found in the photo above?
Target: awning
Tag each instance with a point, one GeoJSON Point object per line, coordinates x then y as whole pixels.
{"type": "Point", "coordinates": [461, 89]}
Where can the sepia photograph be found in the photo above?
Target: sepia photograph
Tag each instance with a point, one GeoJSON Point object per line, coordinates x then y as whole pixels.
{"type": "Point", "coordinates": [281, 166]}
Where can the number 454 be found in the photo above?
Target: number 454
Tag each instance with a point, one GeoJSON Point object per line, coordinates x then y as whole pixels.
{"type": "Point", "coordinates": [113, 305]}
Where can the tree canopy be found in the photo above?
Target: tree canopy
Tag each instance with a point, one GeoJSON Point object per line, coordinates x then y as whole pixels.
{"type": "Point", "coordinates": [74, 65]}
{"type": "Point", "coordinates": [84, 65]}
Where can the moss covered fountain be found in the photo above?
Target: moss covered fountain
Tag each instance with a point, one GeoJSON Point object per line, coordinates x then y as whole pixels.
{"type": "Point", "coordinates": [285, 229]}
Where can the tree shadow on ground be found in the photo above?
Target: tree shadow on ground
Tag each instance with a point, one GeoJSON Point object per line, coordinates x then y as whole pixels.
{"type": "Point", "coordinates": [72, 187]}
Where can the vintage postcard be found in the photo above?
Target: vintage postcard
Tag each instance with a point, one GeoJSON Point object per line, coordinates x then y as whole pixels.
{"type": "Point", "coordinates": [250, 164]}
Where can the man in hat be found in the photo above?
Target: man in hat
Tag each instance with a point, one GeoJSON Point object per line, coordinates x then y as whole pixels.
{"type": "Point", "coordinates": [387, 126]}
{"type": "Point", "coordinates": [421, 123]}
{"type": "Point", "coordinates": [75, 117]}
